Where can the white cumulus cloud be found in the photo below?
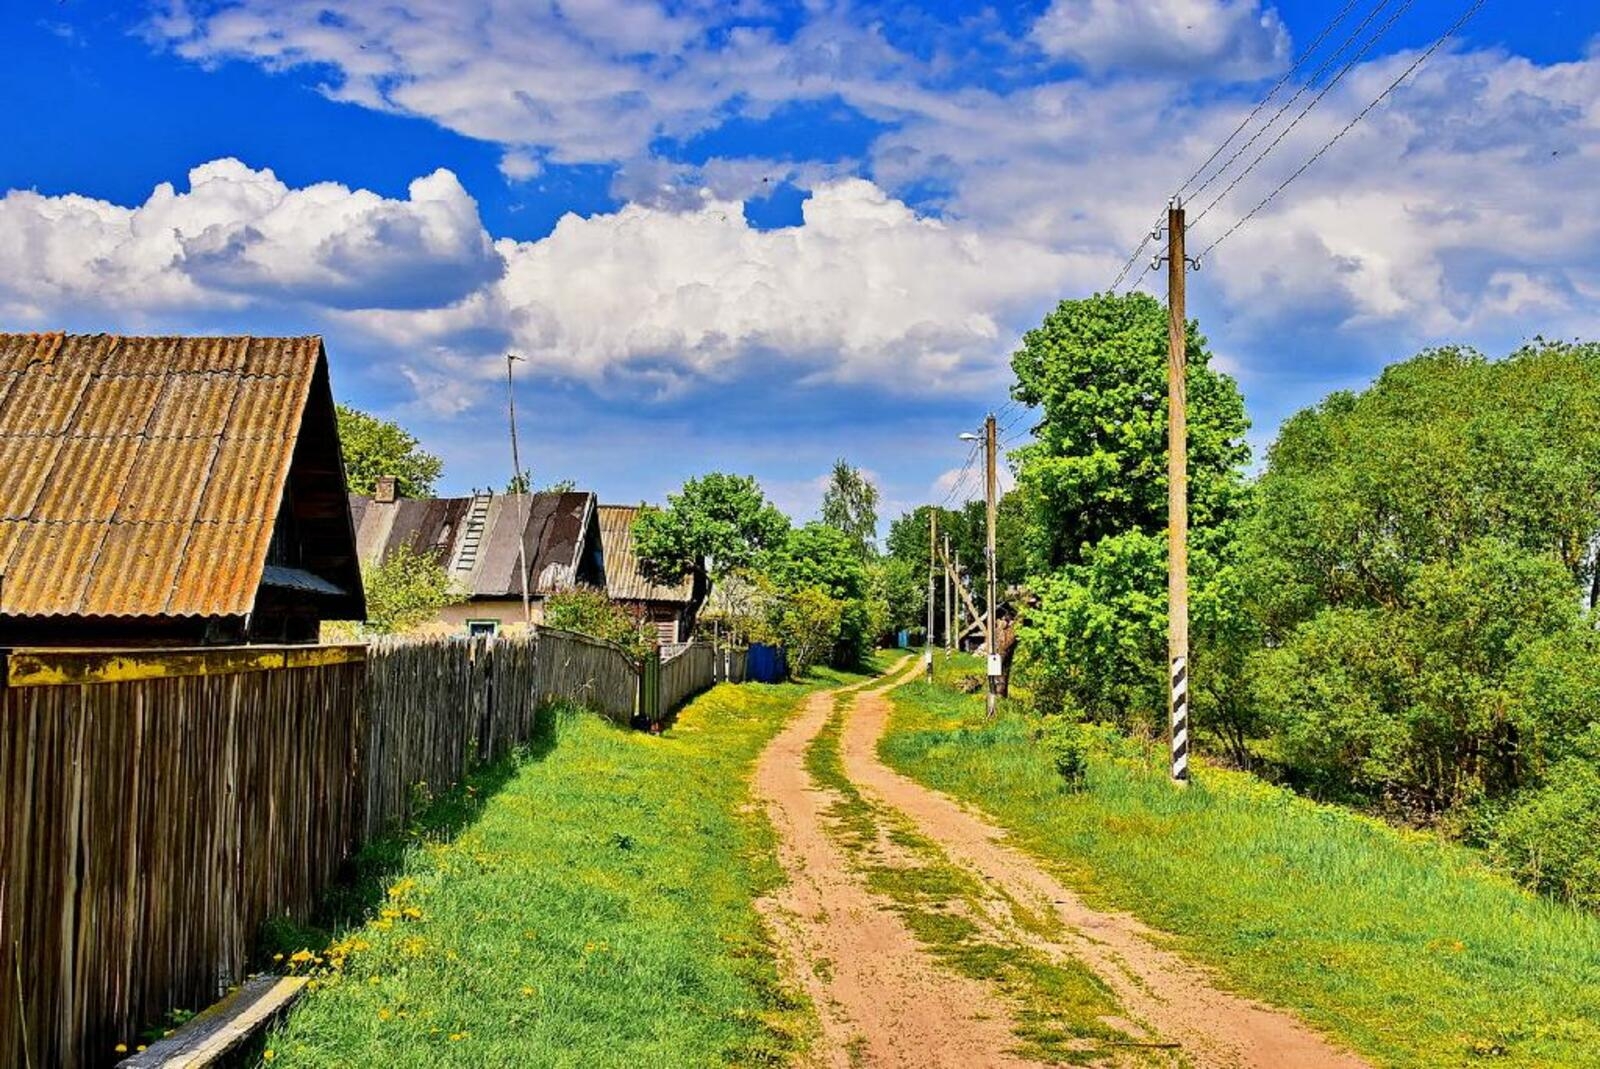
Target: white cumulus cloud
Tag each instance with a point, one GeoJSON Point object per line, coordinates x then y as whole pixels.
{"type": "Point", "coordinates": [1215, 39]}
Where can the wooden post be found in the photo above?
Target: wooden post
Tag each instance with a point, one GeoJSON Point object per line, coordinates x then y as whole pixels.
{"type": "Point", "coordinates": [1177, 499]}
{"type": "Point", "coordinates": [992, 672]}
{"type": "Point", "coordinates": [933, 554]}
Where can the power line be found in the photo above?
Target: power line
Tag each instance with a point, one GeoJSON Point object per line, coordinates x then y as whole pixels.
{"type": "Point", "coordinates": [1326, 89]}
{"type": "Point", "coordinates": [1264, 101]}
{"type": "Point", "coordinates": [972, 455]}
{"type": "Point", "coordinates": [1466, 16]}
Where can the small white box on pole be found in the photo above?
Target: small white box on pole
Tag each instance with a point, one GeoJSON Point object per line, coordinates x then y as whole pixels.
{"type": "Point", "coordinates": [994, 665]}
{"type": "Point", "coordinates": [927, 658]}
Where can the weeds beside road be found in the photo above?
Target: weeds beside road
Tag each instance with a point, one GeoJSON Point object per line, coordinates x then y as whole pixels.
{"type": "Point", "coordinates": [1408, 948]}
{"type": "Point", "coordinates": [599, 912]}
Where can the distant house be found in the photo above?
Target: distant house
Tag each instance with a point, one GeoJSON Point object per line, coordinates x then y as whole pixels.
{"type": "Point", "coordinates": [476, 540]}
{"type": "Point", "coordinates": [170, 491]}
{"type": "Point", "coordinates": [669, 607]}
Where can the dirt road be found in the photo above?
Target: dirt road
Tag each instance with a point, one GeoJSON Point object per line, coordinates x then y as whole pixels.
{"type": "Point", "coordinates": [884, 1000]}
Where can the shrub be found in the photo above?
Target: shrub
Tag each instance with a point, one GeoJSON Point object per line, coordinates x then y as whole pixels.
{"type": "Point", "coordinates": [1067, 745]}
{"type": "Point", "coordinates": [406, 590]}
{"type": "Point", "coordinates": [589, 612]}
{"type": "Point", "coordinates": [1549, 838]}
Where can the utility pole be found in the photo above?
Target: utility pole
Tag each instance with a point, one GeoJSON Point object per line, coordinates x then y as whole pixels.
{"type": "Point", "coordinates": [949, 599]}
{"type": "Point", "coordinates": [955, 582]}
{"type": "Point", "coordinates": [1177, 498]}
{"type": "Point", "coordinates": [933, 556]}
{"type": "Point", "coordinates": [990, 446]}
{"type": "Point", "coordinates": [522, 501]}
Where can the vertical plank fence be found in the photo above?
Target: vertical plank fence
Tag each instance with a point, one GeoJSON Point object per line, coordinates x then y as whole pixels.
{"type": "Point", "coordinates": [160, 805]}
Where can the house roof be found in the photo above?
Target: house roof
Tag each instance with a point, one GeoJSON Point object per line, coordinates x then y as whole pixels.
{"type": "Point", "coordinates": [143, 476]}
{"type": "Point", "coordinates": [476, 538]}
{"type": "Point", "coordinates": [625, 581]}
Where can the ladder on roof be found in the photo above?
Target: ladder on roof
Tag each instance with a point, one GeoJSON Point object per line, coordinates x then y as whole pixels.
{"type": "Point", "coordinates": [472, 533]}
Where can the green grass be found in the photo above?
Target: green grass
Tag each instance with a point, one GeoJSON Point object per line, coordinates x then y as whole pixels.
{"type": "Point", "coordinates": [1406, 947]}
{"type": "Point", "coordinates": [596, 910]}
{"type": "Point", "coordinates": [1058, 1006]}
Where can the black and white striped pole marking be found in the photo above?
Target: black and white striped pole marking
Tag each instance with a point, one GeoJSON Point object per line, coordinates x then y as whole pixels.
{"type": "Point", "coordinates": [1180, 720]}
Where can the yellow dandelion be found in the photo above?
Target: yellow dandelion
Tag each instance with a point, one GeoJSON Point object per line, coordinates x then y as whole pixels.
{"type": "Point", "coordinates": [375, 981]}
{"type": "Point", "coordinates": [268, 1054]}
{"type": "Point", "coordinates": [384, 1014]}
{"type": "Point", "coordinates": [299, 957]}
{"type": "Point", "coordinates": [121, 1048]}
{"type": "Point", "coordinates": [277, 957]}
{"type": "Point", "coordinates": [527, 991]}
{"type": "Point", "coordinates": [412, 913]}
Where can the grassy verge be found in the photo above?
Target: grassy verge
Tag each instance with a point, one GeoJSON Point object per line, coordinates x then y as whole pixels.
{"type": "Point", "coordinates": [596, 911]}
{"type": "Point", "coordinates": [1059, 1006]}
{"type": "Point", "coordinates": [1406, 947]}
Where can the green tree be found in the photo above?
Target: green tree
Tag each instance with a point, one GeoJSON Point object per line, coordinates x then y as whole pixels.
{"type": "Point", "coordinates": [1093, 494]}
{"type": "Point", "coordinates": [806, 622]}
{"type": "Point", "coordinates": [589, 612]}
{"type": "Point", "coordinates": [716, 525]}
{"type": "Point", "coordinates": [902, 589]}
{"type": "Point", "coordinates": [374, 447]}
{"type": "Point", "coordinates": [1097, 371]}
{"type": "Point", "coordinates": [406, 590]}
{"type": "Point", "coordinates": [850, 505]}
{"type": "Point", "coordinates": [820, 557]}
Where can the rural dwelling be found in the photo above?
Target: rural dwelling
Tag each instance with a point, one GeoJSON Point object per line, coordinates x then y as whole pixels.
{"type": "Point", "coordinates": [669, 608]}
{"type": "Point", "coordinates": [170, 491]}
{"type": "Point", "coordinates": [476, 539]}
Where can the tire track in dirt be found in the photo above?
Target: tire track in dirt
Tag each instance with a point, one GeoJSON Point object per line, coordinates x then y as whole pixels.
{"type": "Point", "coordinates": [1164, 991]}
{"type": "Point", "coordinates": [880, 999]}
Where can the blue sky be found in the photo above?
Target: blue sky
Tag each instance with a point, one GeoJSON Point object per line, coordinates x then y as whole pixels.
{"type": "Point", "coordinates": [756, 236]}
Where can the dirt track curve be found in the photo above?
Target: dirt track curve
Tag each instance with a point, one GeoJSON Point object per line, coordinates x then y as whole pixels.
{"type": "Point", "coordinates": [883, 1001]}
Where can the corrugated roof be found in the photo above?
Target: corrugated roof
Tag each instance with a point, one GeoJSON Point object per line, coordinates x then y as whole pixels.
{"type": "Point", "coordinates": [625, 580]}
{"type": "Point", "coordinates": [142, 476]}
{"type": "Point", "coordinates": [556, 528]}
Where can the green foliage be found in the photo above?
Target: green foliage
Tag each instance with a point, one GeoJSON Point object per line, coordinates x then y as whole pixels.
{"type": "Point", "coordinates": [1097, 370]}
{"type": "Point", "coordinates": [966, 527]}
{"type": "Point", "coordinates": [589, 612]}
{"type": "Point", "coordinates": [374, 447]}
{"type": "Point", "coordinates": [1093, 488]}
{"type": "Point", "coordinates": [818, 557]}
{"type": "Point", "coordinates": [900, 588]}
{"type": "Point", "coordinates": [406, 590]}
{"type": "Point", "coordinates": [716, 525]}
{"type": "Point", "coordinates": [1550, 837]}
{"type": "Point", "coordinates": [1067, 747]}
{"type": "Point", "coordinates": [807, 621]}
{"type": "Point", "coordinates": [1409, 949]}
{"type": "Point", "coordinates": [624, 933]}
{"type": "Point", "coordinates": [850, 505]}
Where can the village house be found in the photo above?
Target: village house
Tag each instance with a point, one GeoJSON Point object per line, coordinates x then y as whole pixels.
{"type": "Point", "coordinates": [476, 539]}
{"type": "Point", "coordinates": [667, 607]}
{"type": "Point", "coordinates": [170, 491]}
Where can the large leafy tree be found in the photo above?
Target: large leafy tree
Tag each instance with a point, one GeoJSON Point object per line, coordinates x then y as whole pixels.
{"type": "Point", "coordinates": [715, 526]}
{"type": "Point", "coordinates": [374, 447]}
{"type": "Point", "coordinates": [1094, 483]}
{"type": "Point", "coordinates": [1418, 563]}
{"type": "Point", "coordinates": [850, 505]}
{"type": "Point", "coordinates": [1096, 369]}
{"type": "Point", "coordinates": [820, 557]}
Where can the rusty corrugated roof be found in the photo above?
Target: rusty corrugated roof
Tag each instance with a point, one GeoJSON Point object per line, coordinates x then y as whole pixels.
{"type": "Point", "coordinates": [142, 476]}
{"type": "Point", "coordinates": [624, 579]}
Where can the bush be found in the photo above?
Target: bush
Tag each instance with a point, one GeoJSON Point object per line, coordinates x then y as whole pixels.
{"type": "Point", "coordinates": [1549, 838]}
{"type": "Point", "coordinates": [406, 590]}
{"type": "Point", "coordinates": [589, 612]}
{"type": "Point", "coordinates": [1067, 745]}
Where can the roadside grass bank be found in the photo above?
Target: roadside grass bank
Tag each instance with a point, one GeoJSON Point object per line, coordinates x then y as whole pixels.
{"type": "Point", "coordinates": [596, 911]}
{"type": "Point", "coordinates": [1059, 1006]}
{"type": "Point", "coordinates": [1406, 947]}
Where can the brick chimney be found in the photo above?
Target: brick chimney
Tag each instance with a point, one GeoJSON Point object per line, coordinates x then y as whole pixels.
{"type": "Point", "coordinates": [383, 491]}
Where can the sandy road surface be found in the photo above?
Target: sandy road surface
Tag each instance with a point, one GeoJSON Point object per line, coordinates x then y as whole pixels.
{"type": "Point", "coordinates": [881, 998]}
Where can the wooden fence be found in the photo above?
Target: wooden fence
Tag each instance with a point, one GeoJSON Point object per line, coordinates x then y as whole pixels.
{"type": "Point", "coordinates": [686, 673]}
{"type": "Point", "coordinates": [158, 806]}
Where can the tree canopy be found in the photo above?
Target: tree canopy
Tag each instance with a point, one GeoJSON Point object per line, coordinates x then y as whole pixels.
{"type": "Point", "coordinates": [716, 525]}
{"type": "Point", "coordinates": [850, 505]}
{"type": "Point", "coordinates": [375, 447]}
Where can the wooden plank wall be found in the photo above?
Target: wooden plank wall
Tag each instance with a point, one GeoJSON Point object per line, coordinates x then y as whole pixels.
{"type": "Point", "coordinates": [690, 671]}
{"type": "Point", "coordinates": [149, 827]}
{"type": "Point", "coordinates": [158, 806]}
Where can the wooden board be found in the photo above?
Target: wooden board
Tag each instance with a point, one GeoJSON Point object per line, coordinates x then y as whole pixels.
{"type": "Point", "coordinates": [214, 1032]}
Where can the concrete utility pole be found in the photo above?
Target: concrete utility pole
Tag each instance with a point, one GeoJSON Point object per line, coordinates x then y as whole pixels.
{"type": "Point", "coordinates": [516, 465]}
{"type": "Point", "coordinates": [955, 584]}
{"type": "Point", "coordinates": [1177, 497]}
{"type": "Point", "coordinates": [933, 560]}
{"type": "Point", "coordinates": [949, 599]}
{"type": "Point", "coordinates": [990, 446]}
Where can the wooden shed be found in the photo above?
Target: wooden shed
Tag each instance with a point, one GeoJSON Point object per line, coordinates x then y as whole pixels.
{"type": "Point", "coordinates": [170, 491]}
{"type": "Point", "coordinates": [668, 607]}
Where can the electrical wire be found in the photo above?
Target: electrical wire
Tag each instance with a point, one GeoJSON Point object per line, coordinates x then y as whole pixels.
{"type": "Point", "coordinates": [1455, 27]}
{"type": "Point", "coordinates": [1326, 89]}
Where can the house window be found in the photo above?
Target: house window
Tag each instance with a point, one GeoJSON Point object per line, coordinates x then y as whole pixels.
{"type": "Point", "coordinates": [483, 627]}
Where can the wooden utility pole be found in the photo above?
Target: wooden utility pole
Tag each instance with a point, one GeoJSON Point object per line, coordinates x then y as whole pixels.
{"type": "Point", "coordinates": [1177, 498]}
{"type": "Point", "coordinates": [990, 447]}
{"type": "Point", "coordinates": [949, 599]}
{"type": "Point", "coordinates": [933, 557]}
{"type": "Point", "coordinates": [955, 584]}
{"type": "Point", "coordinates": [516, 465]}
